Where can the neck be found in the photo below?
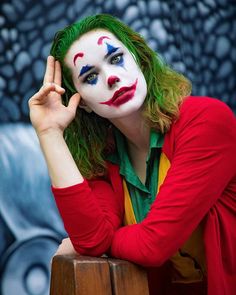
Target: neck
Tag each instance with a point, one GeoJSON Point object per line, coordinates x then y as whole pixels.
{"type": "Point", "coordinates": [135, 130]}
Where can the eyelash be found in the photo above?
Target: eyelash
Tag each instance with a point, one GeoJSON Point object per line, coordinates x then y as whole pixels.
{"type": "Point", "coordinates": [94, 80]}
{"type": "Point", "coordinates": [120, 61]}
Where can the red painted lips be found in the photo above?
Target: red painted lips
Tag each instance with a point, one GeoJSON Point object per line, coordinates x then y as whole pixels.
{"type": "Point", "coordinates": [122, 95]}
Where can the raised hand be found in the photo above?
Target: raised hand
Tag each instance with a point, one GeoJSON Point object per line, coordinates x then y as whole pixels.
{"type": "Point", "coordinates": [46, 109]}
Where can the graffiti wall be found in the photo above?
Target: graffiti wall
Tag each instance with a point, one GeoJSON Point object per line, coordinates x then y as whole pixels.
{"type": "Point", "coordinates": [197, 38]}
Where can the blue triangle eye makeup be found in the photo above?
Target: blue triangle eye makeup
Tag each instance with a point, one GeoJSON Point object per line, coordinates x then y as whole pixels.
{"type": "Point", "coordinates": [91, 79]}
{"type": "Point", "coordinates": [110, 49]}
{"type": "Point", "coordinates": [116, 59]}
{"type": "Point", "coordinates": [85, 69]}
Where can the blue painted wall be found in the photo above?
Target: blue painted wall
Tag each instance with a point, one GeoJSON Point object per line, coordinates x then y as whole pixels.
{"type": "Point", "coordinates": [198, 38]}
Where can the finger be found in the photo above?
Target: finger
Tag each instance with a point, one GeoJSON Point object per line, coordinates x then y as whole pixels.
{"type": "Point", "coordinates": [46, 89]}
{"type": "Point", "coordinates": [59, 89]}
{"type": "Point", "coordinates": [74, 102]}
{"type": "Point", "coordinates": [50, 68]}
{"type": "Point", "coordinates": [57, 74]}
{"type": "Point", "coordinates": [43, 92]}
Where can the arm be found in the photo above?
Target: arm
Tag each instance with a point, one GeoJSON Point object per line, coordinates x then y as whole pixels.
{"type": "Point", "coordinates": [90, 212]}
{"type": "Point", "coordinates": [49, 118]}
{"type": "Point", "coordinates": [61, 166]}
{"type": "Point", "coordinates": [203, 164]}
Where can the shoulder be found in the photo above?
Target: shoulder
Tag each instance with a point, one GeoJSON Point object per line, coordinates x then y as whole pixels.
{"type": "Point", "coordinates": [197, 104]}
{"type": "Point", "coordinates": [201, 109]}
{"type": "Point", "coordinates": [203, 106]}
{"type": "Point", "coordinates": [202, 119]}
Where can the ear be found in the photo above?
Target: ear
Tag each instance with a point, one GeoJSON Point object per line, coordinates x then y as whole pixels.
{"type": "Point", "coordinates": [83, 105]}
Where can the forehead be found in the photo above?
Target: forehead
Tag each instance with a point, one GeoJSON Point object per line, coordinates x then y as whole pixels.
{"type": "Point", "coordinates": [93, 42]}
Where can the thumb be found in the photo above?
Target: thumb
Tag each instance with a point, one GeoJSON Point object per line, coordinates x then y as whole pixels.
{"type": "Point", "coordinates": [74, 102]}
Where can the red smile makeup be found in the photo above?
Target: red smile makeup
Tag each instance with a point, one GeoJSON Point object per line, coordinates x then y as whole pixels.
{"type": "Point", "coordinates": [122, 95]}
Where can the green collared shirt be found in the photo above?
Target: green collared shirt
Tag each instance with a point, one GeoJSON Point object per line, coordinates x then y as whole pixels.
{"type": "Point", "coordinates": [142, 195]}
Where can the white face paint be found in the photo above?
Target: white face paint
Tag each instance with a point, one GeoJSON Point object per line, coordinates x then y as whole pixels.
{"type": "Point", "coordinates": [106, 75]}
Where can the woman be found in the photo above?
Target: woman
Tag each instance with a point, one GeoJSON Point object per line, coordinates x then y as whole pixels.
{"type": "Point", "coordinates": [149, 175]}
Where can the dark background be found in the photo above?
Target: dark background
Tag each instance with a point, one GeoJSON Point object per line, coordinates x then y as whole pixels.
{"type": "Point", "coordinates": [198, 38]}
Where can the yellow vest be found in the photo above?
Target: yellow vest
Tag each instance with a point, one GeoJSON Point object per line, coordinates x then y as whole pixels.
{"type": "Point", "coordinates": [184, 270]}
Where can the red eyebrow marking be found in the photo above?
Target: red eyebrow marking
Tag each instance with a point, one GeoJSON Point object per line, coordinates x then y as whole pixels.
{"type": "Point", "coordinates": [80, 54]}
{"type": "Point", "coordinates": [101, 39]}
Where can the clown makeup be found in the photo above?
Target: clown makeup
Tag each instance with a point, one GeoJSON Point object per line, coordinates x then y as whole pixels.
{"type": "Point", "coordinates": [106, 75]}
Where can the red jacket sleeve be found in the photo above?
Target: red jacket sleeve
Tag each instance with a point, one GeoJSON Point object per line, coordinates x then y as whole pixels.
{"type": "Point", "coordinates": [202, 149]}
{"type": "Point", "coordinates": [91, 212]}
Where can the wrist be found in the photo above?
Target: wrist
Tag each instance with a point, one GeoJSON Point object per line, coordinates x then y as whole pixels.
{"type": "Point", "coordinates": [50, 133]}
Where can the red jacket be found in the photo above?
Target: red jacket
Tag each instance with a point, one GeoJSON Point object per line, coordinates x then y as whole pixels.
{"type": "Point", "coordinates": [200, 186]}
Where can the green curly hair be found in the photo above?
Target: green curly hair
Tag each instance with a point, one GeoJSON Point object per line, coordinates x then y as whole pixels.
{"type": "Point", "coordinates": [88, 135]}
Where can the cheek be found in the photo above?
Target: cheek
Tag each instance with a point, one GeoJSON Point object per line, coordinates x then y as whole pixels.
{"type": "Point", "coordinates": [84, 89]}
{"type": "Point", "coordinates": [91, 93]}
{"type": "Point", "coordinates": [131, 66]}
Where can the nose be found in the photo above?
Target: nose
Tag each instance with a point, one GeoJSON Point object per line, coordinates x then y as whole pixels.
{"type": "Point", "coordinates": [112, 80]}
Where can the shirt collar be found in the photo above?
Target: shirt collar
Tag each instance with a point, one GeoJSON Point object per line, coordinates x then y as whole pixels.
{"type": "Point", "coordinates": [120, 156]}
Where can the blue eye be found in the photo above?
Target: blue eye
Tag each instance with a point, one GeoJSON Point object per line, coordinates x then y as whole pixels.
{"type": "Point", "coordinates": [117, 59]}
{"type": "Point", "coordinates": [91, 78]}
